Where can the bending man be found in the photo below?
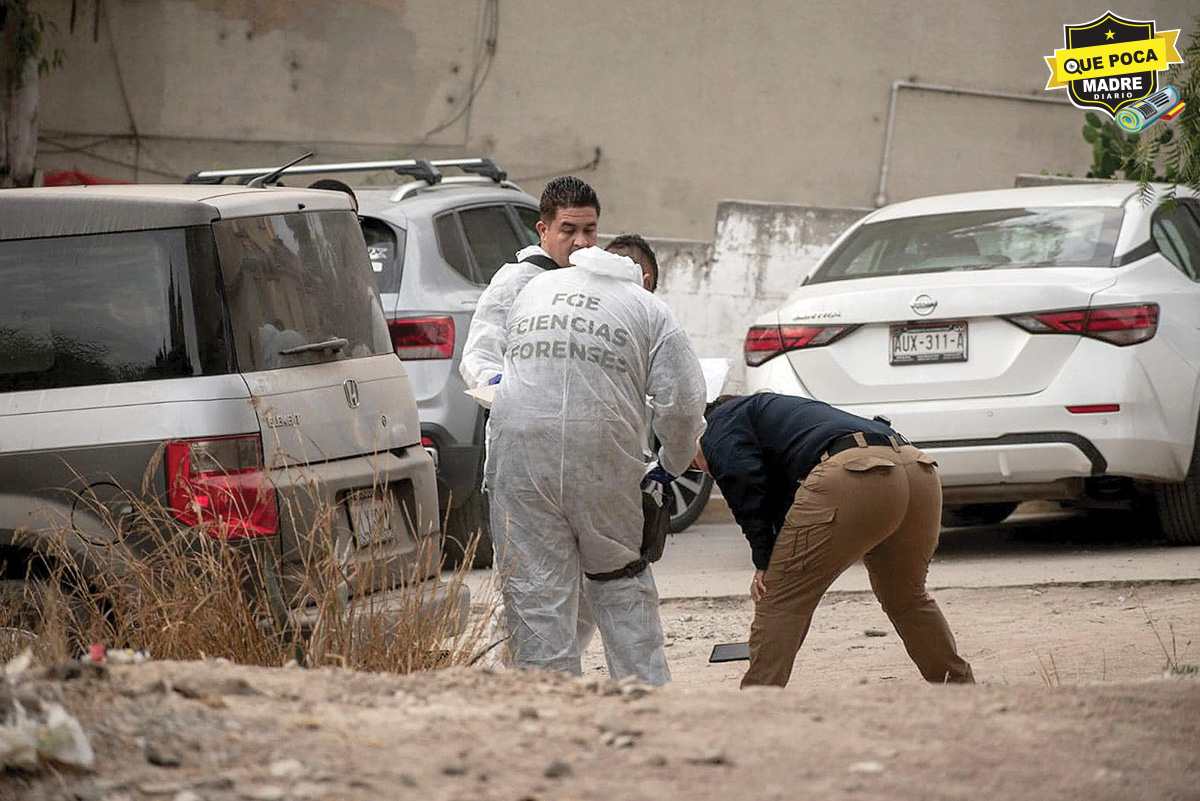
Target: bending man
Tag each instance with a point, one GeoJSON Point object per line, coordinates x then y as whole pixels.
{"type": "Point", "coordinates": [814, 489]}
{"type": "Point", "coordinates": [586, 347]}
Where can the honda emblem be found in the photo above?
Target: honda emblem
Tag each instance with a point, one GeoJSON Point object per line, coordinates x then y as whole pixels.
{"type": "Point", "coordinates": [350, 386]}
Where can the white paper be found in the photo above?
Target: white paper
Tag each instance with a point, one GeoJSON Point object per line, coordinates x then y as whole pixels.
{"type": "Point", "coordinates": [483, 395]}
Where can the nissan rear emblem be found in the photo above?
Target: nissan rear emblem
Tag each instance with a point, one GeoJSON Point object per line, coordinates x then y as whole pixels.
{"type": "Point", "coordinates": [923, 304]}
{"type": "Point", "coordinates": [350, 386]}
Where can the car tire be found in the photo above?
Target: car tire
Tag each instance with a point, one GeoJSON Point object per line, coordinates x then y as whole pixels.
{"type": "Point", "coordinates": [686, 497]}
{"type": "Point", "coordinates": [976, 514]}
{"type": "Point", "coordinates": [1179, 505]}
{"type": "Point", "coordinates": [464, 522]}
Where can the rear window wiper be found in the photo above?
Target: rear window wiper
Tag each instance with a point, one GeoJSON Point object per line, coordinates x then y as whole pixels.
{"type": "Point", "coordinates": [335, 344]}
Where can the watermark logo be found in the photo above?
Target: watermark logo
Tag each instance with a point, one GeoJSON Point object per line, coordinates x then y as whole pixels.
{"type": "Point", "coordinates": [1112, 64]}
{"type": "Point", "coordinates": [1163, 104]}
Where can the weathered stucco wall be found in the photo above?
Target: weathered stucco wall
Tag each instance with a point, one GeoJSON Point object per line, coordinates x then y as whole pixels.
{"type": "Point", "coordinates": [686, 102]}
{"type": "Point", "coordinates": [760, 254]}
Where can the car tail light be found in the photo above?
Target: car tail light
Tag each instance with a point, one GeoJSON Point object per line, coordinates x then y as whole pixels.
{"type": "Point", "coordinates": [220, 485]}
{"type": "Point", "coordinates": [1119, 325]}
{"type": "Point", "coordinates": [768, 341]}
{"type": "Point", "coordinates": [423, 337]}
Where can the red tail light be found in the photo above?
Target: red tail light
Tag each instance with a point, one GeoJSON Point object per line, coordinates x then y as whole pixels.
{"type": "Point", "coordinates": [768, 341]}
{"type": "Point", "coordinates": [220, 484]}
{"type": "Point", "coordinates": [1119, 325]}
{"type": "Point", "coordinates": [423, 337]}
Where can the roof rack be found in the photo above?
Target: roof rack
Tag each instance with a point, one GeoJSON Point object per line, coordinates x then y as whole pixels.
{"type": "Point", "coordinates": [427, 172]}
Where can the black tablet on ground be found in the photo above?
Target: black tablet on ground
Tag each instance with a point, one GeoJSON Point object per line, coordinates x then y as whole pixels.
{"type": "Point", "coordinates": [730, 652]}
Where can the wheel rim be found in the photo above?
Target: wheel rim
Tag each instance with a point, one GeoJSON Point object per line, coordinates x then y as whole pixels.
{"type": "Point", "coordinates": [684, 491]}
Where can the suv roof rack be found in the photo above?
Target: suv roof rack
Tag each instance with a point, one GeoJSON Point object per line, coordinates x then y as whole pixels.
{"type": "Point", "coordinates": [427, 172]}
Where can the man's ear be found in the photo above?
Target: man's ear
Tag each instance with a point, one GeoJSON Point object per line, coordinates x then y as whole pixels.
{"type": "Point", "coordinates": [541, 229]}
{"type": "Point", "coordinates": [648, 282]}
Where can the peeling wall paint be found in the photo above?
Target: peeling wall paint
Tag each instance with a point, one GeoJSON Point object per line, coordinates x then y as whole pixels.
{"type": "Point", "coordinates": [759, 256]}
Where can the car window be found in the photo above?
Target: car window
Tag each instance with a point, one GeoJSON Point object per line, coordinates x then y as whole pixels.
{"type": "Point", "coordinates": [297, 279]}
{"type": "Point", "coordinates": [491, 237]}
{"type": "Point", "coordinates": [109, 308]}
{"type": "Point", "coordinates": [450, 243]}
{"type": "Point", "coordinates": [385, 249]}
{"type": "Point", "coordinates": [529, 218]}
{"type": "Point", "coordinates": [868, 257]}
{"type": "Point", "coordinates": [1177, 235]}
{"type": "Point", "coordinates": [976, 240]}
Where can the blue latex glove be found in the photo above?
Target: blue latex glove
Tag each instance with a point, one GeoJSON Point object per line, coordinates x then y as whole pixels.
{"type": "Point", "coordinates": [659, 474]}
{"type": "Point", "coordinates": [494, 379]}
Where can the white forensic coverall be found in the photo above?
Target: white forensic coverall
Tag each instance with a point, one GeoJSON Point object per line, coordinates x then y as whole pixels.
{"type": "Point", "coordinates": [586, 348]}
{"type": "Point", "coordinates": [483, 352]}
{"type": "Point", "coordinates": [483, 355]}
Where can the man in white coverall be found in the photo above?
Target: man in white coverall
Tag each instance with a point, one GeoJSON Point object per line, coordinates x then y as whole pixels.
{"type": "Point", "coordinates": [570, 212]}
{"type": "Point", "coordinates": [585, 349]}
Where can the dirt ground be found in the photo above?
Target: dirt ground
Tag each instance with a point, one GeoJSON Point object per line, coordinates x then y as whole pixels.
{"type": "Point", "coordinates": [1075, 702]}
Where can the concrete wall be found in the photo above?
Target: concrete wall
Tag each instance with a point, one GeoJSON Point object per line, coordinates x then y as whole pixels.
{"type": "Point", "coordinates": [686, 102]}
{"type": "Point", "coordinates": [760, 254]}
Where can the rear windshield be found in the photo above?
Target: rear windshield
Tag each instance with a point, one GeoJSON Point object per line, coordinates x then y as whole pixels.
{"type": "Point", "coordinates": [109, 308]}
{"type": "Point", "coordinates": [299, 279]}
{"type": "Point", "coordinates": [976, 240]}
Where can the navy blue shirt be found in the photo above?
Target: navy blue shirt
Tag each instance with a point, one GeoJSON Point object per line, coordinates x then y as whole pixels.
{"type": "Point", "coordinates": [760, 447]}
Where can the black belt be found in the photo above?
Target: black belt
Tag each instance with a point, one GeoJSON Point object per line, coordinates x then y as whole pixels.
{"type": "Point", "coordinates": [847, 441]}
{"type": "Point", "coordinates": [629, 571]}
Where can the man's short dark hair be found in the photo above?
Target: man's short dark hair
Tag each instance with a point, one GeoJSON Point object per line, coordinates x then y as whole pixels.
{"type": "Point", "coordinates": [721, 399]}
{"type": "Point", "coordinates": [638, 249]}
{"type": "Point", "coordinates": [564, 193]}
{"type": "Point", "coordinates": [334, 185]}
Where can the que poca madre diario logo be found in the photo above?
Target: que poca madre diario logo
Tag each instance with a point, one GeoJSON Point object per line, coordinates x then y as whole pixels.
{"type": "Point", "coordinates": [1112, 64]}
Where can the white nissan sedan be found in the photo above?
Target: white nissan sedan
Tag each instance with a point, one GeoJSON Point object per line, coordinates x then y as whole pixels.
{"type": "Point", "coordinates": [1040, 343]}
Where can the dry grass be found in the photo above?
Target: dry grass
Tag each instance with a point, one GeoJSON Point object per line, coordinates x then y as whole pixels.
{"type": "Point", "coordinates": [1175, 666]}
{"type": "Point", "coordinates": [183, 593]}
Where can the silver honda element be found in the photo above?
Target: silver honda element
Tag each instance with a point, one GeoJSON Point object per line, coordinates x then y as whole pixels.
{"type": "Point", "coordinates": [229, 343]}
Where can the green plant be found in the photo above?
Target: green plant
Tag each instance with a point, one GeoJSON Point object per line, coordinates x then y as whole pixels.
{"type": "Point", "coordinates": [1166, 152]}
{"type": "Point", "coordinates": [1113, 151]}
{"type": "Point", "coordinates": [26, 33]}
{"type": "Point", "coordinates": [1176, 145]}
{"type": "Point", "coordinates": [25, 55]}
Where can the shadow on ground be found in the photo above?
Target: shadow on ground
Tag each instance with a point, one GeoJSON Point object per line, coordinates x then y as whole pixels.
{"type": "Point", "coordinates": [1050, 531]}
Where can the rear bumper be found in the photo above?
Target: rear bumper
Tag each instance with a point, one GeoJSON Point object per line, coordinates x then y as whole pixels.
{"type": "Point", "coordinates": [1029, 458]}
{"type": "Point", "coordinates": [988, 441]}
{"type": "Point", "coordinates": [429, 606]}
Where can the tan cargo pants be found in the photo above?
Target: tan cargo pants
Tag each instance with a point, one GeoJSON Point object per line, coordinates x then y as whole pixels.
{"type": "Point", "coordinates": [879, 503]}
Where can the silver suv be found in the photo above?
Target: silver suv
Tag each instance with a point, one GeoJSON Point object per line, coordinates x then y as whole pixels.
{"type": "Point", "coordinates": [435, 242]}
{"type": "Point", "coordinates": [228, 341]}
